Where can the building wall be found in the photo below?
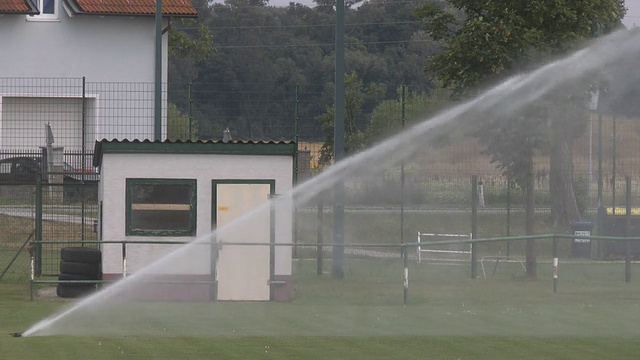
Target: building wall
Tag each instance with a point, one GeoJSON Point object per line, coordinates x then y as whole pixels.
{"type": "Point", "coordinates": [48, 59]}
{"type": "Point", "coordinates": [116, 168]}
{"type": "Point", "coordinates": [101, 48]}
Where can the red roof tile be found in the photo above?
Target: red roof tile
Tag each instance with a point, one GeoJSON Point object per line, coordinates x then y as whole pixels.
{"type": "Point", "coordinates": [18, 7]}
{"type": "Point", "coordinates": [134, 7]}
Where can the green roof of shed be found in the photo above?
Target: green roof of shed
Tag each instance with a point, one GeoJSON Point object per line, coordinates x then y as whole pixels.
{"type": "Point", "coordinates": [233, 147]}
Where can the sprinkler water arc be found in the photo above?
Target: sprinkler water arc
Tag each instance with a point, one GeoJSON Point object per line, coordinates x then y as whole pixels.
{"type": "Point", "coordinates": [511, 95]}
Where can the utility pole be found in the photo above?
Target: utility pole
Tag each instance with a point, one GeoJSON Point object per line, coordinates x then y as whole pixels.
{"type": "Point", "coordinates": [338, 146]}
{"type": "Point", "coordinates": [157, 114]}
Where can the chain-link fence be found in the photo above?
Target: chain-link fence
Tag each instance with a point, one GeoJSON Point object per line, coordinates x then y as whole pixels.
{"type": "Point", "coordinates": [428, 192]}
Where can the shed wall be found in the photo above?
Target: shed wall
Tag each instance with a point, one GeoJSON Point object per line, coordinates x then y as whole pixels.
{"type": "Point", "coordinates": [116, 168]}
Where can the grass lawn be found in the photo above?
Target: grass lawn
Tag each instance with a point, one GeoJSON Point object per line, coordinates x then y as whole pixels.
{"type": "Point", "coordinates": [594, 315]}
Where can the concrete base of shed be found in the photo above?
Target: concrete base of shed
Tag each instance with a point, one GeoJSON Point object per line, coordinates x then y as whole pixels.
{"type": "Point", "coordinates": [191, 288]}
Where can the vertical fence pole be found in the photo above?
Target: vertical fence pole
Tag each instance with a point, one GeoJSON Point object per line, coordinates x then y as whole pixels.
{"type": "Point", "coordinates": [555, 264]}
{"type": "Point", "coordinates": [319, 239]}
{"type": "Point", "coordinates": [613, 169]}
{"type": "Point", "coordinates": [403, 249]}
{"type": "Point", "coordinates": [190, 114]}
{"type": "Point", "coordinates": [627, 243]}
{"type": "Point", "coordinates": [215, 255]}
{"type": "Point", "coordinates": [157, 108]}
{"type": "Point", "coordinates": [124, 259]}
{"type": "Point", "coordinates": [600, 182]}
{"type": "Point", "coordinates": [406, 274]}
{"type": "Point", "coordinates": [508, 216]}
{"type": "Point", "coordinates": [338, 144]}
{"type": "Point", "coordinates": [32, 273]}
{"type": "Point", "coordinates": [295, 134]}
{"type": "Point", "coordinates": [601, 210]}
{"type": "Point", "coordinates": [474, 225]}
{"type": "Point", "coordinates": [84, 156]}
{"type": "Point", "coordinates": [338, 231]}
{"type": "Point", "coordinates": [272, 243]}
{"type": "Point", "coordinates": [38, 240]}
{"type": "Point", "coordinates": [296, 169]}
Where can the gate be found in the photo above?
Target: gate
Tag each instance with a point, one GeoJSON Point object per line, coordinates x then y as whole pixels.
{"type": "Point", "coordinates": [65, 210]}
{"type": "Point", "coordinates": [57, 206]}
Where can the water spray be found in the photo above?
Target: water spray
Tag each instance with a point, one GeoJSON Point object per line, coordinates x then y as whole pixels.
{"type": "Point", "coordinates": [505, 98]}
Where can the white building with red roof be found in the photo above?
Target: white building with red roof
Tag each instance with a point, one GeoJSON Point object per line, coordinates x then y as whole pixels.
{"type": "Point", "coordinates": [87, 67]}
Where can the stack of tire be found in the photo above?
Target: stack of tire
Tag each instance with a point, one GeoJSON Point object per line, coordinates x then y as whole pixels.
{"type": "Point", "coordinates": [78, 263]}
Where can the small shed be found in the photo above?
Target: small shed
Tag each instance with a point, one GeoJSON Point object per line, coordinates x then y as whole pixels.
{"type": "Point", "coordinates": [182, 191]}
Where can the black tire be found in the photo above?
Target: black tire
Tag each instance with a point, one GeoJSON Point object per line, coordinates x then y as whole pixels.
{"type": "Point", "coordinates": [64, 277]}
{"type": "Point", "coordinates": [81, 254]}
{"type": "Point", "coordinates": [92, 270]}
{"type": "Point", "coordinates": [71, 290]}
{"type": "Point", "coordinates": [74, 290]}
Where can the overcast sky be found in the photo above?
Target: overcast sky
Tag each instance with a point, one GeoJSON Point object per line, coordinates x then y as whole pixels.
{"type": "Point", "coordinates": [633, 12]}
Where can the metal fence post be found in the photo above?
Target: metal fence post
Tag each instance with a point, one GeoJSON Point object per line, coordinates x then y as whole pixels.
{"type": "Point", "coordinates": [474, 225]}
{"type": "Point", "coordinates": [613, 168]}
{"type": "Point", "coordinates": [403, 249]}
{"type": "Point", "coordinates": [32, 273]}
{"type": "Point", "coordinates": [627, 243]}
{"type": "Point", "coordinates": [84, 158]}
{"type": "Point", "coordinates": [124, 259]}
{"type": "Point", "coordinates": [406, 274]}
{"type": "Point", "coordinates": [555, 264]}
{"type": "Point", "coordinates": [296, 170]}
{"type": "Point", "coordinates": [319, 239]}
{"type": "Point", "coordinates": [190, 113]}
{"type": "Point", "coordinates": [508, 216]}
{"type": "Point", "coordinates": [37, 267]}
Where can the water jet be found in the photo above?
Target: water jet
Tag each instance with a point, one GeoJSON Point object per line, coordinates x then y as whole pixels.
{"type": "Point", "coordinates": [103, 312]}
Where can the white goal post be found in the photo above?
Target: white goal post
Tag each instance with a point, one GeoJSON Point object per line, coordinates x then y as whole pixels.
{"type": "Point", "coordinates": [464, 250]}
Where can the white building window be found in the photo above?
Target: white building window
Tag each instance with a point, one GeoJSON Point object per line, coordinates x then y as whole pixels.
{"type": "Point", "coordinates": [48, 11]}
{"type": "Point", "coordinates": [161, 207]}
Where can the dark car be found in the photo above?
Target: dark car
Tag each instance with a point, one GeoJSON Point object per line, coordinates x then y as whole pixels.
{"type": "Point", "coordinates": [24, 170]}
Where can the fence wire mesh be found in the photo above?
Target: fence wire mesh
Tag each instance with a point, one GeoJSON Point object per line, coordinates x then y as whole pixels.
{"type": "Point", "coordinates": [430, 192]}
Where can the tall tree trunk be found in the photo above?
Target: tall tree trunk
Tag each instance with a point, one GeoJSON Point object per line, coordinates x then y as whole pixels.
{"type": "Point", "coordinates": [564, 206]}
{"type": "Point", "coordinates": [530, 207]}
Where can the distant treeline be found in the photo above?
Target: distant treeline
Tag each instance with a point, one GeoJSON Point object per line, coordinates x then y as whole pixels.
{"type": "Point", "coordinates": [248, 84]}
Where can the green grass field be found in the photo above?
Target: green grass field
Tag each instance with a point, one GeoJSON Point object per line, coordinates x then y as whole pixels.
{"type": "Point", "coordinates": [594, 315]}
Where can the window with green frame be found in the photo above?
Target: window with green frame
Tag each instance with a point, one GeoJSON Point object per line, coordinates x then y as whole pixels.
{"type": "Point", "coordinates": [161, 207]}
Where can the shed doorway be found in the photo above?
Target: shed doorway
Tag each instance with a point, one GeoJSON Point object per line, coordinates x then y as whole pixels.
{"type": "Point", "coordinates": [243, 271]}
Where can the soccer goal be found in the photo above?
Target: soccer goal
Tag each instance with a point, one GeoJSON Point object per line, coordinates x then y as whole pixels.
{"type": "Point", "coordinates": [443, 251]}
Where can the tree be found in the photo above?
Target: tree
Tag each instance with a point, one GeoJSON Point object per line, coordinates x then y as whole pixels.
{"type": "Point", "coordinates": [497, 38]}
{"type": "Point", "coordinates": [179, 126]}
{"type": "Point", "coordinates": [386, 117]}
{"type": "Point", "coordinates": [189, 43]}
{"type": "Point", "coordinates": [355, 94]}
{"type": "Point", "coordinates": [262, 52]}
{"type": "Point", "coordinates": [197, 46]}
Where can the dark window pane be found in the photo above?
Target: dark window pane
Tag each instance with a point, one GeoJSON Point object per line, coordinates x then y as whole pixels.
{"type": "Point", "coordinates": [158, 206]}
{"type": "Point", "coordinates": [160, 194]}
{"type": "Point", "coordinates": [48, 6]}
{"type": "Point", "coordinates": [160, 220]}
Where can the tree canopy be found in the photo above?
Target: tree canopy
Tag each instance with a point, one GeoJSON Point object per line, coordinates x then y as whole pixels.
{"type": "Point", "coordinates": [263, 52]}
{"type": "Point", "coordinates": [485, 41]}
{"type": "Point", "coordinates": [496, 38]}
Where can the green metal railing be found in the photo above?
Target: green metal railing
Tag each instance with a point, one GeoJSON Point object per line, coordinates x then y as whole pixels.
{"type": "Point", "coordinates": [34, 253]}
{"type": "Point", "coordinates": [405, 249]}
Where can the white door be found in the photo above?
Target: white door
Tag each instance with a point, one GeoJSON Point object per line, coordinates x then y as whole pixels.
{"type": "Point", "coordinates": [243, 271]}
